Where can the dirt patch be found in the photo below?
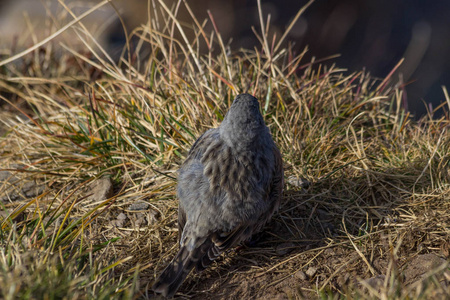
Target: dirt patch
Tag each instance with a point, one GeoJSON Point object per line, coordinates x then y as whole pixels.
{"type": "Point", "coordinates": [285, 264]}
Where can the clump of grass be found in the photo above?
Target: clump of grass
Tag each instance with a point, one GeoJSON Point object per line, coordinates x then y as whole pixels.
{"type": "Point", "coordinates": [373, 172]}
{"type": "Point", "coordinates": [49, 251]}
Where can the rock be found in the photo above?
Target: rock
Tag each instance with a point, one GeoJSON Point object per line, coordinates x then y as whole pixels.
{"type": "Point", "coordinates": [329, 252]}
{"type": "Point", "coordinates": [100, 189]}
{"type": "Point", "coordinates": [298, 182]}
{"type": "Point", "coordinates": [31, 189]}
{"type": "Point", "coordinates": [121, 217]}
{"type": "Point", "coordinates": [284, 248]}
{"type": "Point", "coordinates": [138, 205]}
{"type": "Point", "coordinates": [6, 176]}
{"type": "Point", "coordinates": [343, 280]}
{"type": "Point", "coordinates": [152, 217]}
{"type": "Point", "coordinates": [311, 272]}
{"type": "Point", "coordinates": [120, 220]}
{"type": "Point", "coordinates": [328, 227]}
{"type": "Point", "coordinates": [300, 275]}
{"type": "Point", "coordinates": [323, 214]}
{"type": "Point", "coordinates": [420, 265]}
{"type": "Point", "coordinates": [117, 223]}
{"type": "Point", "coordinates": [376, 282]}
{"type": "Point", "coordinates": [140, 222]}
{"type": "Point", "coordinates": [13, 187]}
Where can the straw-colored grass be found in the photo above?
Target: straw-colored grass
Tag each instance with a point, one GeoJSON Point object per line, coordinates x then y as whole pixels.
{"type": "Point", "coordinates": [367, 187]}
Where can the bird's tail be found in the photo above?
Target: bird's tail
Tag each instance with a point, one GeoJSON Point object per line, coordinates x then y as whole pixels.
{"type": "Point", "coordinates": [206, 250]}
{"type": "Point", "coordinates": [176, 272]}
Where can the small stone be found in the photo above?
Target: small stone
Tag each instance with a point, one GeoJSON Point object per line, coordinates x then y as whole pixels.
{"type": "Point", "coordinates": [152, 217]}
{"type": "Point", "coordinates": [328, 227]}
{"type": "Point", "coordinates": [101, 189]}
{"type": "Point", "coordinates": [140, 222]}
{"type": "Point", "coordinates": [117, 223]}
{"type": "Point", "coordinates": [343, 280]}
{"type": "Point", "coordinates": [121, 216]}
{"type": "Point", "coordinates": [329, 252]}
{"type": "Point", "coordinates": [300, 275]}
{"type": "Point", "coordinates": [323, 214]}
{"type": "Point", "coordinates": [298, 182]}
{"type": "Point", "coordinates": [14, 187]}
{"type": "Point", "coordinates": [6, 176]}
{"type": "Point", "coordinates": [311, 272]}
{"type": "Point", "coordinates": [138, 205]}
{"type": "Point", "coordinates": [32, 189]}
{"type": "Point", "coordinates": [285, 248]}
{"type": "Point", "coordinates": [376, 282]}
{"type": "Point", "coordinates": [416, 268]}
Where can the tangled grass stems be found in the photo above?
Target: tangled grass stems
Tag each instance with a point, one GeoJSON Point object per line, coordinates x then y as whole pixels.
{"type": "Point", "coordinates": [367, 186]}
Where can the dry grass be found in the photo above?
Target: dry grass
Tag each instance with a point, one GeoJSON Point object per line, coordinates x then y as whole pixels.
{"type": "Point", "coordinates": [377, 192]}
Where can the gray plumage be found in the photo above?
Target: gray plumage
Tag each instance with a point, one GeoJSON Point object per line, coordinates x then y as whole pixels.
{"type": "Point", "coordinates": [229, 187]}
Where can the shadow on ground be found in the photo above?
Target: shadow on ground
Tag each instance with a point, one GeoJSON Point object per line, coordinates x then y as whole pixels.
{"type": "Point", "coordinates": [338, 233]}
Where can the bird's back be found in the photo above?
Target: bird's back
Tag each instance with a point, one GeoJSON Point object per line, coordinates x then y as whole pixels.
{"type": "Point", "coordinates": [221, 187]}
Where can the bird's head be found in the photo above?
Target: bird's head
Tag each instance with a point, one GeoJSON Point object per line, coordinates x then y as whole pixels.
{"type": "Point", "coordinates": [243, 123]}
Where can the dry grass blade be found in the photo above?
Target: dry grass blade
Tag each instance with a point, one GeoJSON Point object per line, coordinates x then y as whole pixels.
{"type": "Point", "coordinates": [48, 39]}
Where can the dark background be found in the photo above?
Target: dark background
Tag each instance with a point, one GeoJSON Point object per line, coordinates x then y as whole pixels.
{"type": "Point", "coordinates": [370, 34]}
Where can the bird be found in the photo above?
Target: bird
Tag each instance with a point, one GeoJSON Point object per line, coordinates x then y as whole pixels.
{"type": "Point", "coordinates": [229, 187]}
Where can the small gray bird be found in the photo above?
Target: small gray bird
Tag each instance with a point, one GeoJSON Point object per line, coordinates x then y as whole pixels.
{"type": "Point", "coordinates": [229, 187]}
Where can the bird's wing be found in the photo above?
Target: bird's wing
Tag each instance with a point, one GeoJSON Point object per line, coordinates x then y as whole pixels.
{"type": "Point", "coordinates": [277, 184]}
{"type": "Point", "coordinates": [273, 192]}
{"type": "Point", "coordinates": [222, 242]}
{"type": "Point", "coordinates": [195, 153]}
{"type": "Point", "coordinates": [181, 221]}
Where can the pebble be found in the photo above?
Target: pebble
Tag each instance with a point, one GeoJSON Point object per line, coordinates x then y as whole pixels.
{"type": "Point", "coordinates": [121, 216]}
{"type": "Point", "coordinates": [311, 272]}
{"type": "Point", "coordinates": [300, 275]}
{"type": "Point", "coordinates": [285, 248]}
{"type": "Point", "coordinates": [139, 205]}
